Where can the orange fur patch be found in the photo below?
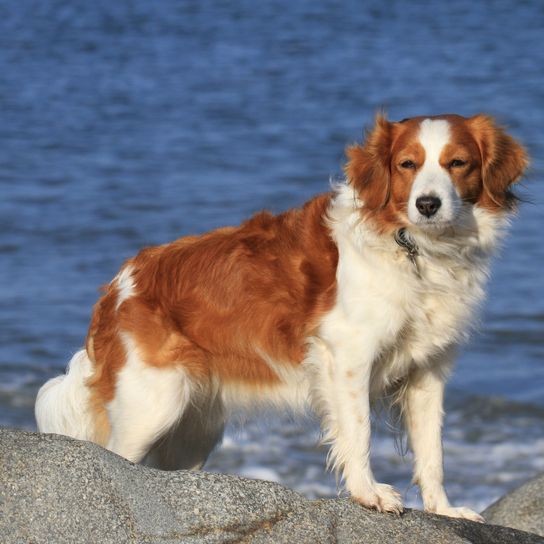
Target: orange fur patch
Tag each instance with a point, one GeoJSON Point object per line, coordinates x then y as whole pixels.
{"type": "Point", "coordinates": [214, 303]}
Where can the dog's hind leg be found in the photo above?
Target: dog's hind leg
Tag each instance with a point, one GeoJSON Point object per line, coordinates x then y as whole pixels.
{"type": "Point", "coordinates": [148, 402]}
{"type": "Point", "coordinates": [191, 440]}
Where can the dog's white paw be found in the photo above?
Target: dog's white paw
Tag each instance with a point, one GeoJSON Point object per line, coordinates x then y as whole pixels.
{"type": "Point", "coordinates": [460, 512]}
{"type": "Point", "coordinates": [380, 497]}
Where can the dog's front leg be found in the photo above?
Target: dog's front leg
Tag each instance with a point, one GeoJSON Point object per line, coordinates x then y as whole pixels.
{"type": "Point", "coordinates": [343, 398]}
{"type": "Point", "coordinates": [424, 415]}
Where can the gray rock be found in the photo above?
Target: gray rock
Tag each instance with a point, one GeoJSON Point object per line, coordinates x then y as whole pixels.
{"type": "Point", "coordinates": [54, 489]}
{"type": "Point", "coordinates": [522, 508]}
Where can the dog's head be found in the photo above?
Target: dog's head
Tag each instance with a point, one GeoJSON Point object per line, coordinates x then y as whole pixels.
{"type": "Point", "coordinates": [424, 171]}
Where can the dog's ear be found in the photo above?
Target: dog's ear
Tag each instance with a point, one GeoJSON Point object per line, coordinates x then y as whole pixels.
{"type": "Point", "coordinates": [504, 161]}
{"type": "Point", "coordinates": [367, 169]}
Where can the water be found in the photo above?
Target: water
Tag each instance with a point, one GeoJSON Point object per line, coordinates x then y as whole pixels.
{"type": "Point", "coordinates": [129, 124]}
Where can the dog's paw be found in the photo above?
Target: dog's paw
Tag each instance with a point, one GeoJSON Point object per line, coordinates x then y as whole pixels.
{"type": "Point", "coordinates": [460, 512]}
{"type": "Point", "coordinates": [381, 497]}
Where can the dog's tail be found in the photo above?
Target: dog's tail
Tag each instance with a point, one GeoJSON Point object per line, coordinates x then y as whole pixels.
{"type": "Point", "coordinates": [63, 403]}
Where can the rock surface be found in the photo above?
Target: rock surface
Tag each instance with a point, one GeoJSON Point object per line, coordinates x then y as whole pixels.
{"type": "Point", "coordinates": [55, 489]}
{"type": "Point", "coordinates": [521, 509]}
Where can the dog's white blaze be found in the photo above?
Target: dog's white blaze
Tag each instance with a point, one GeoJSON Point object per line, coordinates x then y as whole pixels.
{"type": "Point", "coordinates": [125, 285]}
{"type": "Point", "coordinates": [434, 134]}
{"type": "Point", "coordinates": [432, 179]}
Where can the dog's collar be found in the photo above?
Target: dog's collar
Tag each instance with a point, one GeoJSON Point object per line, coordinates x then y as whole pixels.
{"type": "Point", "coordinates": [405, 241]}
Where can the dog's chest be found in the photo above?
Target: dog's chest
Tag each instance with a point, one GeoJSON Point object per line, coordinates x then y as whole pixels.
{"type": "Point", "coordinates": [439, 304]}
{"type": "Point", "coordinates": [399, 314]}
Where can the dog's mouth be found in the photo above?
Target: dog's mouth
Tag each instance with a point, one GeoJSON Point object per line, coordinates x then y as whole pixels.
{"type": "Point", "coordinates": [434, 224]}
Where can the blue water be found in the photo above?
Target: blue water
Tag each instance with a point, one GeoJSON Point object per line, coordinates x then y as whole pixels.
{"type": "Point", "coordinates": [125, 124]}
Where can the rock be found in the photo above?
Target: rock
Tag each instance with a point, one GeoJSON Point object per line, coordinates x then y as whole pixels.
{"type": "Point", "coordinates": [56, 489]}
{"type": "Point", "coordinates": [522, 508]}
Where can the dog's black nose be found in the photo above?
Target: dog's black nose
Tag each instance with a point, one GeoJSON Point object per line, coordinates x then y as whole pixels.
{"type": "Point", "coordinates": [428, 205]}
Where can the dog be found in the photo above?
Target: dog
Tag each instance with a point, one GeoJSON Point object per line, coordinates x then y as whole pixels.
{"type": "Point", "coordinates": [357, 298]}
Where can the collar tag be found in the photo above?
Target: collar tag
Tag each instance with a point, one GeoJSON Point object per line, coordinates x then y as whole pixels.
{"type": "Point", "coordinates": [404, 240]}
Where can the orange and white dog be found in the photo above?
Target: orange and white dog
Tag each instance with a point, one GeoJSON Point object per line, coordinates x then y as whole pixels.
{"type": "Point", "coordinates": [359, 296]}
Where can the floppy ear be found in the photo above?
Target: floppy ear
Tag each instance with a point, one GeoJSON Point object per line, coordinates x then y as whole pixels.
{"type": "Point", "coordinates": [367, 169]}
{"type": "Point", "coordinates": [504, 161]}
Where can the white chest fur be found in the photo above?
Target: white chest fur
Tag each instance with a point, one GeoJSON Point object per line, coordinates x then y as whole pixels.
{"type": "Point", "coordinates": [392, 316]}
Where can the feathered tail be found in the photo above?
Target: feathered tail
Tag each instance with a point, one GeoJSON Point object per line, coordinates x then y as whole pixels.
{"type": "Point", "coordinates": [63, 403]}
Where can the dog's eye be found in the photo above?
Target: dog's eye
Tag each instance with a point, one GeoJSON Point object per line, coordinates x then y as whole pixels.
{"type": "Point", "coordinates": [410, 165]}
{"type": "Point", "coordinates": [456, 163]}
